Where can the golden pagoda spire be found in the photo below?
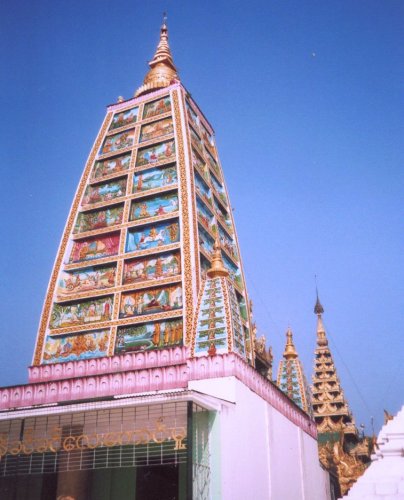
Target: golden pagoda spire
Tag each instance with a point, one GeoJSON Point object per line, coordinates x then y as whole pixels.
{"type": "Point", "coordinates": [162, 69]}
{"type": "Point", "coordinates": [217, 268]}
{"type": "Point", "coordinates": [290, 350]}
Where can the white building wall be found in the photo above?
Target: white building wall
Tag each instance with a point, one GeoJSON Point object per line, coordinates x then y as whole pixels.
{"type": "Point", "coordinates": [257, 453]}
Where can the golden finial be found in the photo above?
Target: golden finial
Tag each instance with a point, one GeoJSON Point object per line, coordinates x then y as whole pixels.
{"type": "Point", "coordinates": [217, 267]}
{"type": "Point", "coordinates": [290, 350]}
{"type": "Point", "coordinates": [162, 69]}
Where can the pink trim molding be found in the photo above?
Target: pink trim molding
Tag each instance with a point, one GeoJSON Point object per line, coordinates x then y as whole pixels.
{"type": "Point", "coordinates": [143, 372]}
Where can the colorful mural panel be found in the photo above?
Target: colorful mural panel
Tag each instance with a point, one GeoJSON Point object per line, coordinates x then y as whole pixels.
{"type": "Point", "coordinates": [205, 217]}
{"type": "Point", "coordinates": [151, 301]}
{"type": "Point", "coordinates": [153, 154]}
{"type": "Point", "coordinates": [234, 271]}
{"type": "Point", "coordinates": [88, 221]}
{"type": "Point", "coordinates": [228, 244]}
{"type": "Point", "coordinates": [205, 241]}
{"type": "Point", "coordinates": [208, 140]}
{"type": "Point", "coordinates": [76, 347]}
{"type": "Point", "coordinates": [104, 192]}
{"type": "Point", "coordinates": [156, 108]}
{"type": "Point", "coordinates": [154, 178]}
{"type": "Point", "coordinates": [81, 313]}
{"type": "Point", "coordinates": [154, 236]}
{"type": "Point", "coordinates": [213, 164]}
{"type": "Point", "coordinates": [196, 141]}
{"type": "Point", "coordinates": [223, 215]}
{"type": "Point", "coordinates": [118, 141]}
{"type": "Point", "coordinates": [219, 189]}
{"type": "Point", "coordinates": [205, 266]}
{"type": "Point", "coordinates": [153, 268]}
{"type": "Point", "coordinates": [84, 280]}
{"type": "Point", "coordinates": [200, 164]}
{"type": "Point", "coordinates": [152, 207]}
{"type": "Point", "coordinates": [111, 166]}
{"type": "Point", "coordinates": [94, 248]}
{"type": "Point", "coordinates": [156, 129]}
{"type": "Point", "coordinates": [243, 308]}
{"type": "Point", "coordinates": [203, 190]}
{"type": "Point", "coordinates": [192, 116]}
{"type": "Point", "coordinates": [149, 336]}
{"type": "Point", "coordinates": [124, 118]}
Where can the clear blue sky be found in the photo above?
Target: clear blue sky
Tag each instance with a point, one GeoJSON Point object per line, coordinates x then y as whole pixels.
{"type": "Point", "coordinates": [306, 102]}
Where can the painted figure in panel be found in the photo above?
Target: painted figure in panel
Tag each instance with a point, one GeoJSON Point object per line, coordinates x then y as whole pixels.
{"type": "Point", "coordinates": [203, 190]}
{"type": "Point", "coordinates": [205, 217]}
{"type": "Point", "coordinates": [156, 206]}
{"type": "Point", "coordinates": [94, 248]}
{"type": "Point", "coordinates": [154, 179]}
{"type": "Point", "coordinates": [156, 108]}
{"type": "Point", "coordinates": [111, 166]}
{"type": "Point", "coordinates": [153, 268]}
{"type": "Point", "coordinates": [84, 280]}
{"type": "Point", "coordinates": [104, 192]}
{"type": "Point", "coordinates": [154, 236]}
{"type": "Point", "coordinates": [81, 313]}
{"type": "Point", "coordinates": [76, 347]}
{"type": "Point", "coordinates": [154, 154]}
{"type": "Point", "coordinates": [89, 221]}
{"type": "Point", "coordinates": [124, 118]}
{"type": "Point", "coordinates": [156, 129]}
{"type": "Point", "coordinates": [118, 141]}
{"type": "Point", "coordinates": [149, 336]}
{"type": "Point", "coordinates": [151, 301]}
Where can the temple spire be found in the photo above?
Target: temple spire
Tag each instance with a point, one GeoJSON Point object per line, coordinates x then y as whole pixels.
{"type": "Point", "coordinates": [321, 336]}
{"type": "Point", "coordinates": [335, 424]}
{"type": "Point", "coordinates": [291, 378]}
{"type": "Point", "coordinates": [162, 69]}
{"type": "Point", "coordinates": [217, 268]}
{"type": "Point", "coordinates": [290, 350]}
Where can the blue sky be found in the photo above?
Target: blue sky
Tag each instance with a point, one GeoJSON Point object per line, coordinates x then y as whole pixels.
{"type": "Point", "coordinates": [306, 102]}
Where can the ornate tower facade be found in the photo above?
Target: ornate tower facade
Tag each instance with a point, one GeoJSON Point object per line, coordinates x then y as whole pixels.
{"type": "Point", "coordinates": [141, 232]}
{"type": "Point", "coordinates": [291, 378]}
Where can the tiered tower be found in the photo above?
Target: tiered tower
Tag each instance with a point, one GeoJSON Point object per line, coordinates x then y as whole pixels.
{"type": "Point", "coordinates": [291, 378]}
{"type": "Point", "coordinates": [341, 449]}
{"type": "Point", "coordinates": [330, 408]}
{"type": "Point", "coordinates": [141, 232]}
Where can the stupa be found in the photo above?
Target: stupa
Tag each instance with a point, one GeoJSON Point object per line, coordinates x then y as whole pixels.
{"type": "Point", "coordinates": [143, 382]}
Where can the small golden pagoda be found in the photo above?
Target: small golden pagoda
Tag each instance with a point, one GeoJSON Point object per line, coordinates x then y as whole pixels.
{"type": "Point", "coordinates": [342, 451]}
